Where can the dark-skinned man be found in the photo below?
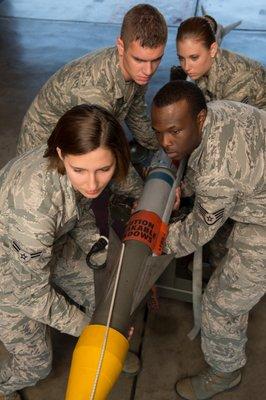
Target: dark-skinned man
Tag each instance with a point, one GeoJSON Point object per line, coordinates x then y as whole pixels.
{"type": "Point", "coordinates": [225, 143]}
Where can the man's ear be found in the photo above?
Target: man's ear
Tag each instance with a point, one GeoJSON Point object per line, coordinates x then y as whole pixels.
{"type": "Point", "coordinates": [201, 118]}
{"type": "Point", "coordinates": [214, 49]}
{"type": "Point", "coordinates": [120, 46]}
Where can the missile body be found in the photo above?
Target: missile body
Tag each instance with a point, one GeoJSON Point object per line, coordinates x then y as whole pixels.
{"type": "Point", "coordinates": [101, 349]}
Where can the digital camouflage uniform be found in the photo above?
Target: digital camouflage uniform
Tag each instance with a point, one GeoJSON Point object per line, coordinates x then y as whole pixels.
{"type": "Point", "coordinates": [234, 77]}
{"type": "Point", "coordinates": [96, 79]}
{"type": "Point", "coordinates": [45, 236]}
{"type": "Point", "coordinates": [237, 78]}
{"type": "Point", "coordinates": [227, 172]}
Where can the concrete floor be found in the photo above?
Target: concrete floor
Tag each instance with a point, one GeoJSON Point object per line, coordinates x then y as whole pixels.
{"type": "Point", "coordinates": [38, 37]}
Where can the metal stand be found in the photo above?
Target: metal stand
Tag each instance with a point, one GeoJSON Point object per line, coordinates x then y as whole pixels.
{"type": "Point", "coordinates": [175, 282]}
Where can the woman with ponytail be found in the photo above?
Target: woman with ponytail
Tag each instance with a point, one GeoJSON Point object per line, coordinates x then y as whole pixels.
{"type": "Point", "coordinates": [220, 74]}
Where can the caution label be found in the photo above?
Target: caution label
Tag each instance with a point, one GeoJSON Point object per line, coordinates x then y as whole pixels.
{"type": "Point", "coordinates": [148, 228]}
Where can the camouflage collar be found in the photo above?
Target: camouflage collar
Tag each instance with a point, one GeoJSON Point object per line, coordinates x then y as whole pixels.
{"type": "Point", "coordinates": [213, 83]}
{"type": "Point", "coordinates": [121, 86]}
{"type": "Point", "coordinates": [119, 80]}
{"type": "Point", "coordinates": [70, 198]}
{"type": "Point", "coordinates": [214, 74]}
{"type": "Point", "coordinates": [218, 75]}
{"type": "Point", "coordinates": [195, 157]}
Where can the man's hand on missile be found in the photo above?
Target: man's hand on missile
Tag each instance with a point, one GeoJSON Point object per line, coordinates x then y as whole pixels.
{"type": "Point", "coordinates": [130, 333]}
{"type": "Point", "coordinates": [153, 300]}
{"type": "Point", "coordinates": [177, 198]}
{"type": "Point", "coordinates": [134, 206]}
{"type": "Point", "coordinates": [175, 206]}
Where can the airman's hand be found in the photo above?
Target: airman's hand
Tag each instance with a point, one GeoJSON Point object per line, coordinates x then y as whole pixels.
{"type": "Point", "coordinates": [177, 199]}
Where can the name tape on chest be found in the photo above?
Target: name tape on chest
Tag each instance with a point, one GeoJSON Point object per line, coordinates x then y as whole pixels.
{"type": "Point", "coordinates": [24, 256]}
{"type": "Point", "coordinates": [211, 218]}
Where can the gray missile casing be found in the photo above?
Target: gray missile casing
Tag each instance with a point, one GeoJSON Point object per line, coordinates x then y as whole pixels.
{"type": "Point", "coordinates": [139, 263]}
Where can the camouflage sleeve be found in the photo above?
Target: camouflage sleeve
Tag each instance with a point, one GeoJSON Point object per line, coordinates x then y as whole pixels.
{"type": "Point", "coordinates": [187, 184]}
{"type": "Point", "coordinates": [48, 107]}
{"type": "Point", "coordinates": [248, 87]}
{"type": "Point", "coordinates": [131, 187]}
{"type": "Point", "coordinates": [92, 95]}
{"type": "Point", "coordinates": [213, 205]}
{"type": "Point", "coordinates": [139, 124]}
{"type": "Point", "coordinates": [38, 122]}
{"type": "Point", "coordinates": [30, 239]}
{"type": "Point", "coordinates": [85, 233]}
{"type": "Point", "coordinates": [258, 90]}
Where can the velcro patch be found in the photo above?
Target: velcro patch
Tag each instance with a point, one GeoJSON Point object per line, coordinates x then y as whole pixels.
{"type": "Point", "coordinates": [211, 218]}
{"type": "Point", "coordinates": [24, 256]}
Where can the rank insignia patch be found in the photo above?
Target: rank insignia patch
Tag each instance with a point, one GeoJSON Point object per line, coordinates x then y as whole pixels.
{"type": "Point", "coordinates": [245, 100]}
{"type": "Point", "coordinates": [24, 255]}
{"type": "Point", "coordinates": [211, 218]}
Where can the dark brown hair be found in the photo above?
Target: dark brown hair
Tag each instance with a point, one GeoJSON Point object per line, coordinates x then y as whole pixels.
{"type": "Point", "coordinates": [198, 28]}
{"type": "Point", "coordinates": [84, 128]}
{"type": "Point", "coordinates": [212, 22]}
{"type": "Point", "coordinates": [175, 91]}
{"type": "Point", "coordinates": [144, 23]}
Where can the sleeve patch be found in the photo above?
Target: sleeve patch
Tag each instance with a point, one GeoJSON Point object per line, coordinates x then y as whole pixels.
{"type": "Point", "coordinates": [245, 100]}
{"type": "Point", "coordinates": [24, 255]}
{"type": "Point", "coordinates": [211, 218]}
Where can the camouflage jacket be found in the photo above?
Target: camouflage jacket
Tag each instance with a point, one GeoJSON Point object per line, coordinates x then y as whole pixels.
{"type": "Point", "coordinates": [97, 79]}
{"type": "Point", "coordinates": [234, 77]}
{"type": "Point", "coordinates": [227, 172]}
{"type": "Point", "coordinates": [38, 207]}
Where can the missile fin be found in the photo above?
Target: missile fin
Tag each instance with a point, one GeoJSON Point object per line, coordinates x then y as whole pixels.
{"type": "Point", "coordinates": [203, 10]}
{"type": "Point", "coordinates": [230, 27]}
{"type": "Point", "coordinates": [151, 269]}
{"type": "Point", "coordinates": [222, 31]}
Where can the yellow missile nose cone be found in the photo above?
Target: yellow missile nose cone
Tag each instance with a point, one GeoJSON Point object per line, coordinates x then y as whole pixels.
{"type": "Point", "coordinates": [85, 362]}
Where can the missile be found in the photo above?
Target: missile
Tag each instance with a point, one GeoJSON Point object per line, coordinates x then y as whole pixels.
{"type": "Point", "coordinates": [132, 268]}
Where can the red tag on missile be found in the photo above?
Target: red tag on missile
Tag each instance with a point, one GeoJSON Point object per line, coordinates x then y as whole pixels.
{"type": "Point", "coordinates": [148, 228]}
